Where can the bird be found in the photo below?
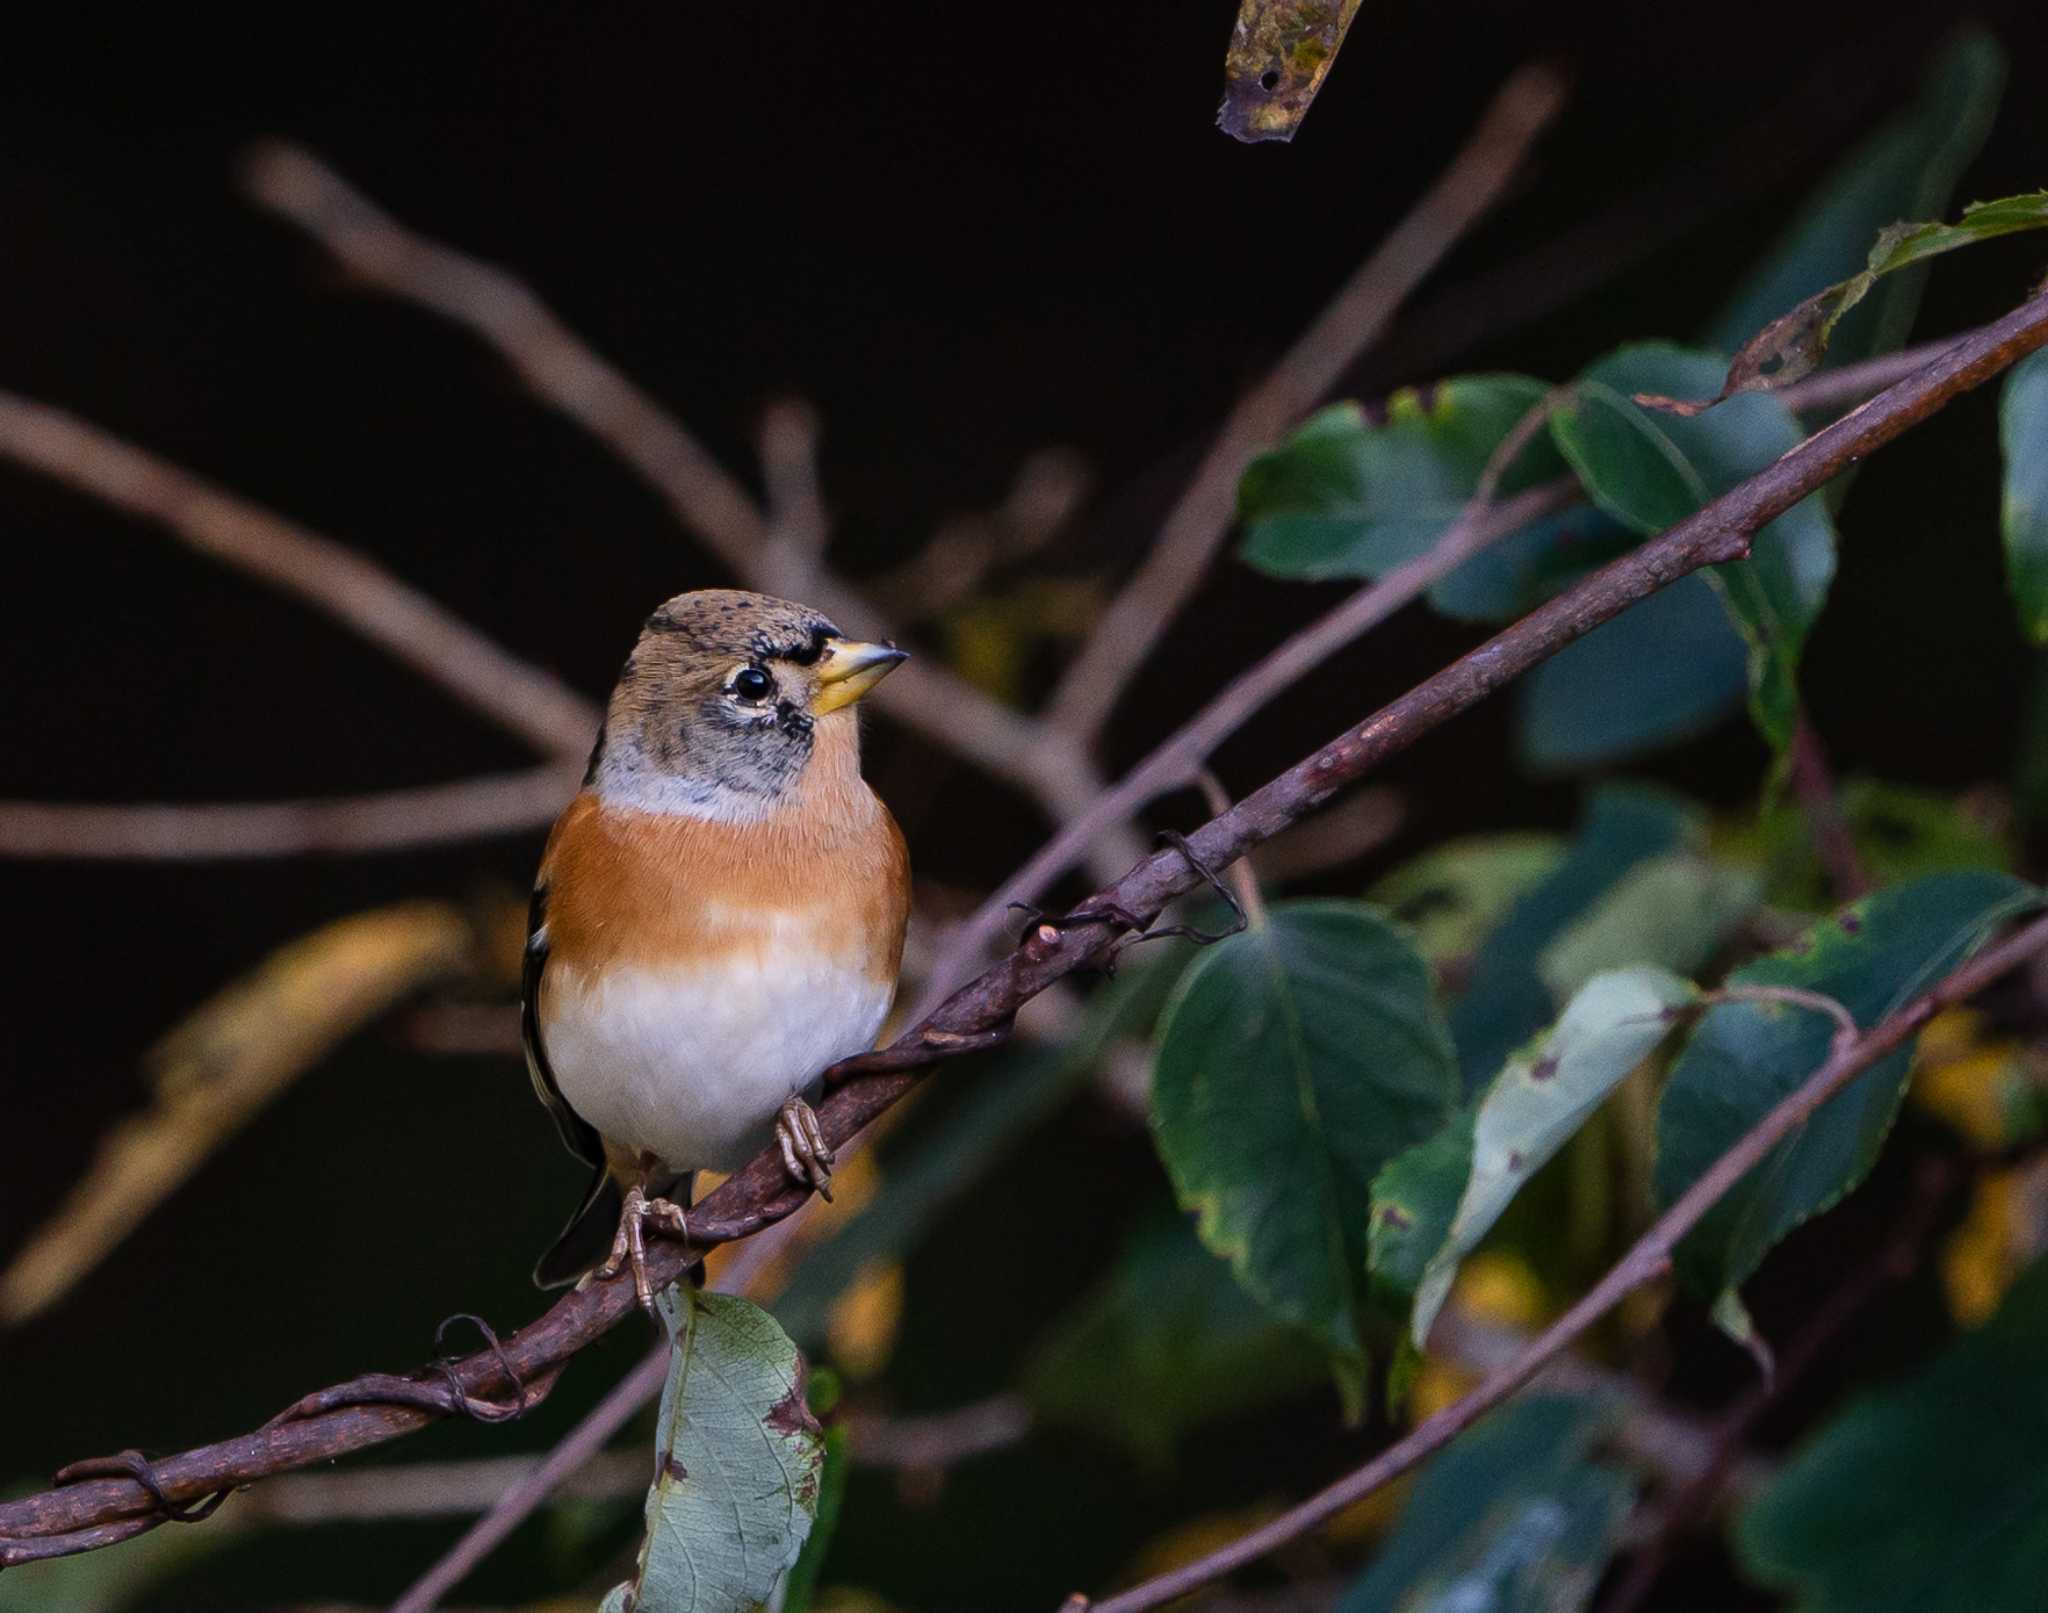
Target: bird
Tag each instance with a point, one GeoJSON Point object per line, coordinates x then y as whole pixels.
{"type": "Point", "coordinates": [718, 917]}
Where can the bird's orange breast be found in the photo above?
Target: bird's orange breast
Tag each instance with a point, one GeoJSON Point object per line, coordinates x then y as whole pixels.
{"type": "Point", "coordinates": [661, 890]}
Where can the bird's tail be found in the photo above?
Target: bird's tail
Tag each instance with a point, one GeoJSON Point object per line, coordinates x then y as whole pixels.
{"type": "Point", "coordinates": [587, 1239]}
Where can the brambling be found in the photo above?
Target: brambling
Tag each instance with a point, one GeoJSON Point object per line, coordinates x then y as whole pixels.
{"type": "Point", "coordinates": [719, 917]}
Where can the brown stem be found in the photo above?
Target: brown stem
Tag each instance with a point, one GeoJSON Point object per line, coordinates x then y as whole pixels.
{"type": "Point", "coordinates": [1813, 782]}
{"type": "Point", "coordinates": [354, 1416]}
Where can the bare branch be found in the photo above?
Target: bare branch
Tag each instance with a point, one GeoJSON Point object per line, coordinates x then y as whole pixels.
{"type": "Point", "coordinates": [385, 820]}
{"type": "Point", "coordinates": [369, 1411]}
{"type": "Point", "coordinates": [1648, 1260]}
{"type": "Point", "coordinates": [1175, 761]}
{"type": "Point", "coordinates": [1813, 783]}
{"type": "Point", "coordinates": [1048, 489]}
{"type": "Point", "coordinates": [1201, 519]}
{"type": "Point", "coordinates": [391, 614]}
{"type": "Point", "coordinates": [797, 516]}
{"type": "Point", "coordinates": [563, 372]}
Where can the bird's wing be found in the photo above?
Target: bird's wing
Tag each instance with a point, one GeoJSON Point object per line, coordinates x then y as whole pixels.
{"type": "Point", "coordinates": [579, 1136]}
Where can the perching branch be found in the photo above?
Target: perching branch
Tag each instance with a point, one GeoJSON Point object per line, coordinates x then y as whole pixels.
{"type": "Point", "coordinates": [1647, 1261]}
{"type": "Point", "coordinates": [1176, 758]}
{"type": "Point", "coordinates": [369, 1411]}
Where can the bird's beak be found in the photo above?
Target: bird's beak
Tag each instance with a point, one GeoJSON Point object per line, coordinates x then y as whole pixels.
{"type": "Point", "coordinates": [849, 670]}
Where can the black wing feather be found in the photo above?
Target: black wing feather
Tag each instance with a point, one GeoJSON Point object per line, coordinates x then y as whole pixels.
{"type": "Point", "coordinates": [578, 1135]}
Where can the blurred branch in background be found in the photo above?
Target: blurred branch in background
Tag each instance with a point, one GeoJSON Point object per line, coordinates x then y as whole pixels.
{"type": "Point", "coordinates": [566, 374]}
{"type": "Point", "coordinates": [97, 1510]}
{"type": "Point", "coordinates": [1046, 756]}
{"type": "Point", "coordinates": [223, 1064]}
{"type": "Point", "coordinates": [393, 615]}
{"type": "Point", "coordinates": [1201, 518]}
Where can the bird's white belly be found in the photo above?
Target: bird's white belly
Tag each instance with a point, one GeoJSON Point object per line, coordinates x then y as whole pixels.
{"type": "Point", "coordinates": [692, 1062]}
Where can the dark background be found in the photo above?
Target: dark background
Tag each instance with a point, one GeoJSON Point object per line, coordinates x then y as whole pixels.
{"type": "Point", "coordinates": [964, 234]}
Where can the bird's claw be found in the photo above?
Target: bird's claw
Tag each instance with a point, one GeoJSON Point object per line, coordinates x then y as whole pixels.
{"type": "Point", "coordinates": [629, 1244]}
{"type": "Point", "coordinates": [805, 1153]}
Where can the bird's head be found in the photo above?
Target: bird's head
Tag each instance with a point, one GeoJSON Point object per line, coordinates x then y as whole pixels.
{"type": "Point", "coordinates": [725, 702]}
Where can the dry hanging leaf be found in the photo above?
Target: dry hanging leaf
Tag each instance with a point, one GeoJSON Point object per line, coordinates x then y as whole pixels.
{"type": "Point", "coordinates": [1280, 52]}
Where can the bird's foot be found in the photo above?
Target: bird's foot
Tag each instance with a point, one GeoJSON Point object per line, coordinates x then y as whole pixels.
{"type": "Point", "coordinates": [629, 1247]}
{"type": "Point", "coordinates": [805, 1153]}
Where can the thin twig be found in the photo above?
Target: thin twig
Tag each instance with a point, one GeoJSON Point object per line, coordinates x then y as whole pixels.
{"type": "Point", "coordinates": [1173, 763]}
{"type": "Point", "coordinates": [1794, 997]}
{"type": "Point", "coordinates": [1048, 489]}
{"type": "Point", "coordinates": [1813, 783]}
{"type": "Point", "coordinates": [391, 614]}
{"type": "Point", "coordinates": [1480, 524]}
{"type": "Point", "coordinates": [789, 474]}
{"type": "Point", "coordinates": [511, 1509]}
{"type": "Point", "coordinates": [1201, 518]}
{"type": "Point", "coordinates": [1647, 1261]}
{"type": "Point", "coordinates": [383, 820]}
{"type": "Point", "coordinates": [89, 1513]}
{"type": "Point", "coordinates": [579, 1446]}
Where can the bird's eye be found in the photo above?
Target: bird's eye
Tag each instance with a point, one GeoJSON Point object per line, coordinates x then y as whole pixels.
{"type": "Point", "coordinates": [751, 683]}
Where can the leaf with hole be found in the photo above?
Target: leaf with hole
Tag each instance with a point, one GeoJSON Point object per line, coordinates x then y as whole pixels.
{"type": "Point", "coordinates": [1294, 1061]}
{"type": "Point", "coordinates": [1280, 53]}
{"type": "Point", "coordinates": [1744, 1057]}
{"type": "Point", "coordinates": [1929, 1496]}
{"type": "Point", "coordinates": [1513, 1516]}
{"type": "Point", "coordinates": [738, 1462]}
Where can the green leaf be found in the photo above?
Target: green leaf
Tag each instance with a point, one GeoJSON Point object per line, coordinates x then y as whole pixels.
{"type": "Point", "coordinates": [1511, 1517]}
{"type": "Point", "coordinates": [1650, 470]}
{"type": "Point", "coordinates": [1662, 671]}
{"type": "Point", "coordinates": [738, 1460]}
{"type": "Point", "coordinates": [1743, 1057]}
{"type": "Point", "coordinates": [1450, 896]}
{"type": "Point", "coordinates": [1295, 1060]}
{"type": "Point", "coordinates": [802, 1586]}
{"type": "Point", "coordinates": [1344, 497]}
{"type": "Point", "coordinates": [1541, 1098]}
{"type": "Point", "coordinates": [1505, 1001]}
{"type": "Point", "coordinates": [1929, 1496]}
{"type": "Point", "coordinates": [1413, 1200]}
{"type": "Point", "coordinates": [2023, 434]}
{"type": "Point", "coordinates": [1171, 1342]}
{"type": "Point", "coordinates": [1908, 169]}
{"type": "Point", "coordinates": [1791, 346]}
{"type": "Point", "coordinates": [1674, 912]}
